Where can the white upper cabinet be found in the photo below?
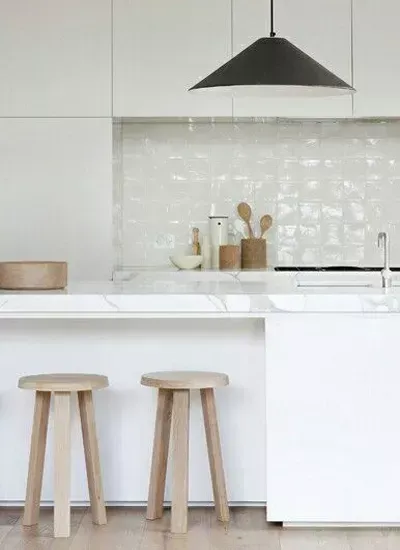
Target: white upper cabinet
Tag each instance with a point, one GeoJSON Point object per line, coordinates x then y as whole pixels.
{"type": "Point", "coordinates": [55, 58]}
{"type": "Point", "coordinates": [321, 28]}
{"type": "Point", "coordinates": [56, 193]}
{"type": "Point", "coordinates": [376, 58]}
{"type": "Point", "coordinates": [162, 48]}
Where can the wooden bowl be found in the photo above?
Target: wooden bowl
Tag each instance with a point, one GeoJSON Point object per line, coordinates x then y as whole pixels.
{"type": "Point", "coordinates": [33, 275]}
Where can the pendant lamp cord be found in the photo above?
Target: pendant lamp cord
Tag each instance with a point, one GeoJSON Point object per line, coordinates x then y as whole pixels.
{"type": "Point", "coordinates": [272, 32]}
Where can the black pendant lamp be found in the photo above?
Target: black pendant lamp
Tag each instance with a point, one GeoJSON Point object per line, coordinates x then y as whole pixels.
{"type": "Point", "coordinates": [273, 67]}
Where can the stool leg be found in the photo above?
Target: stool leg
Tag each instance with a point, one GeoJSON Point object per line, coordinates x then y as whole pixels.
{"type": "Point", "coordinates": [85, 399]}
{"type": "Point", "coordinates": [214, 453]}
{"type": "Point", "coordinates": [36, 458]}
{"type": "Point", "coordinates": [180, 458]}
{"type": "Point", "coordinates": [62, 463]}
{"type": "Point", "coordinates": [160, 455]}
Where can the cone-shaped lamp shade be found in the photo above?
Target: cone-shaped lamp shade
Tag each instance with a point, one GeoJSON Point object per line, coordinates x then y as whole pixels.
{"type": "Point", "coordinates": [273, 66]}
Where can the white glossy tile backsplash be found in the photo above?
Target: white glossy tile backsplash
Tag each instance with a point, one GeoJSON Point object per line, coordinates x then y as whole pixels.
{"type": "Point", "coordinates": [330, 186]}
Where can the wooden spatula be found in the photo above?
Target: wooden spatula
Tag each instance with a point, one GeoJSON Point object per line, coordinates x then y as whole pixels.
{"type": "Point", "coordinates": [244, 211]}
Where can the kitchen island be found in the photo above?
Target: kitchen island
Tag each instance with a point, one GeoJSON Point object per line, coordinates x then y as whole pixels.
{"type": "Point", "coordinates": [309, 423]}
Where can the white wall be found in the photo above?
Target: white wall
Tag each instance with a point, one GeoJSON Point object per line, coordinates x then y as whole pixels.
{"type": "Point", "coordinates": [330, 186]}
{"type": "Point", "coordinates": [56, 193]}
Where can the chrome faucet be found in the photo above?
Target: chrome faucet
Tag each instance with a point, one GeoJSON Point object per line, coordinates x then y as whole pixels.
{"type": "Point", "coordinates": [383, 241]}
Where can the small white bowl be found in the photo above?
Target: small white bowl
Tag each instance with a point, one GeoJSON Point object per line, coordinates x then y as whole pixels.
{"type": "Point", "coordinates": [186, 262]}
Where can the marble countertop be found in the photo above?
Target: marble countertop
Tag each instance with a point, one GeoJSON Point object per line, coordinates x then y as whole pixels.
{"type": "Point", "coordinates": [207, 294]}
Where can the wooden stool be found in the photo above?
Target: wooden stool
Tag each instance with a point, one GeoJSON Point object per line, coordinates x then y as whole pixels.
{"type": "Point", "coordinates": [62, 385]}
{"type": "Point", "coordinates": [173, 396]}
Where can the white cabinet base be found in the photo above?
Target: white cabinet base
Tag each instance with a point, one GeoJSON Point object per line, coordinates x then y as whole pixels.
{"type": "Point", "coordinates": [333, 418]}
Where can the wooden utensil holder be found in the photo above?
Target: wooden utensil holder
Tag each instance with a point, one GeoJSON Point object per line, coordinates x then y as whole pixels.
{"type": "Point", "coordinates": [229, 256]}
{"type": "Point", "coordinates": [254, 253]}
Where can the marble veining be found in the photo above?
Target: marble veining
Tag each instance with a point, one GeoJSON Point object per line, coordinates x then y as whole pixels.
{"type": "Point", "coordinates": [212, 294]}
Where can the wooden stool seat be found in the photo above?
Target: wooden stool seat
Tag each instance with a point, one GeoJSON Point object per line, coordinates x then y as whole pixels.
{"type": "Point", "coordinates": [62, 386]}
{"type": "Point", "coordinates": [63, 382]}
{"type": "Point", "coordinates": [173, 408]}
{"type": "Point", "coordinates": [184, 380]}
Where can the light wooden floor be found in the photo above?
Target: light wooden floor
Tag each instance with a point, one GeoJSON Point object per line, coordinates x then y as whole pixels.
{"type": "Point", "coordinates": [128, 530]}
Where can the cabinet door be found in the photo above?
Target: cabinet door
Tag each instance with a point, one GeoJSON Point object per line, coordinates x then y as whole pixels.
{"type": "Point", "coordinates": [333, 414]}
{"type": "Point", "coordinates": [56, 193]}
{"type": "Point", "coordinates": [161, 49]}
{"type": "Point", "coordinates": [376, 58]}
{"type": "Point", "coordinates": [55, 58]}
{"type": "Point", "coordinates": [321, 28]}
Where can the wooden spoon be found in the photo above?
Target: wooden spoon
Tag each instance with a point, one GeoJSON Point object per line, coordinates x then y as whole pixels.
{"type": "Point", "coordinates": [265, 224]}
{"type": "Point", "coordinates": [244, 211]}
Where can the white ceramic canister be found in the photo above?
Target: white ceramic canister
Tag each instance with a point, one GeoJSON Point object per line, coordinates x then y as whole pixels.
{"type": "Point", "coordinates": [218, 236]}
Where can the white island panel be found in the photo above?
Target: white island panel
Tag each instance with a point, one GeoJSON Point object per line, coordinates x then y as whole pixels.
{"type": "Point", "coordinates": [125, 412]}
{"type": "Point", "coordinates": [333, 414]}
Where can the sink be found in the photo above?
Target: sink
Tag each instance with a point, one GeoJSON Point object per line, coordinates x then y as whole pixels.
{"type": "Point", "coordinates": [331, 279]}
{"type": "Point", "coordinates": [33, 275]}
{"type": "Point", "coordinates": [333, 284]}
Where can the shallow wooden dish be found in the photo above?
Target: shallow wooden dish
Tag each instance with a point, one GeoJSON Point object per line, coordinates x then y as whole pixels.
{"type": "Point", "coordinates": [33, 275]}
